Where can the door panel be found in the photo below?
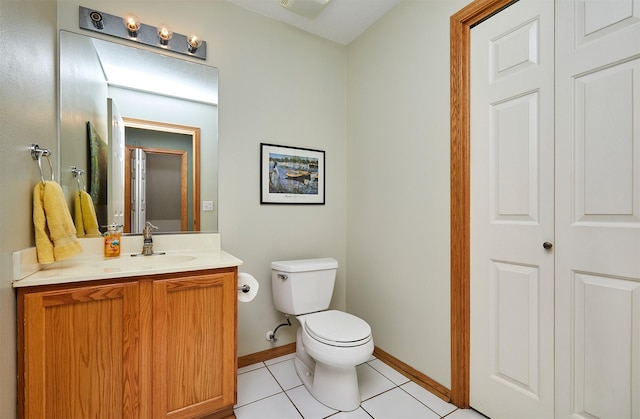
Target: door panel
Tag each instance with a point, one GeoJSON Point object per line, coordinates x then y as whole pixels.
{"type": "Point", "coordinates": [137, 196]}
{"type": "Point", "coordinates": [605, 345]}
{"type": "Point", "coordinates": [80, 352]}
{"type": "Point", "coordinates": [514, 161]}
{"type": "Point", "coordinates": [511, 368]}
{"type": "Point", "coordinates": [604, 175]}
{"type": "Point", "coordinates": [515, 296]}
{"type": "Point", "coordinates": [598, 208]}
{"type": "Point", "coordinates": [596, 19]}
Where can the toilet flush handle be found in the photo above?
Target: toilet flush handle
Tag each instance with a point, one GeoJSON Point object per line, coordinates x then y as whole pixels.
{"type": "Point", "coordinates": [283, 276]}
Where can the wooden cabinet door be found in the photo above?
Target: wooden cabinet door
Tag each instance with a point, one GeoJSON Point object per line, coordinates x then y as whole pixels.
{"type": "Point", "coordinates": [194, 345]}
{"type": "Point", "coordinates": [81, 356]}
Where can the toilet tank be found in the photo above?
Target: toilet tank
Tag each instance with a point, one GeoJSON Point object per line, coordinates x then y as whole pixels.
{"type": "Point", "coordinates": [303, 286]}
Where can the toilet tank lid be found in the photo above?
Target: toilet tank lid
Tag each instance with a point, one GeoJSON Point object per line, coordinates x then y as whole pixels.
{"type": "Point", "coordinates": [304, 265]}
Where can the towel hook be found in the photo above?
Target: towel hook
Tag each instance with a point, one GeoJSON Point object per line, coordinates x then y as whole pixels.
{"type": "Point", "coordinates": [36, 154]}
{"type": "Point", "coordinates": [78, 174]}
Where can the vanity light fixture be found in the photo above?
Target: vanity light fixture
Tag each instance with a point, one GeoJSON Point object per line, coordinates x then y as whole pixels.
{"type": "Point", "coordinates": [165, 34]}
{"type": "Point", "coordinates": [130, 28]}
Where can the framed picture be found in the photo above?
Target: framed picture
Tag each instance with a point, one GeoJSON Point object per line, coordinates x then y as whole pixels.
{"type": "Point", "coordinates": [98, 162]}
{"type": "Point", "coordinates": [291, 175]}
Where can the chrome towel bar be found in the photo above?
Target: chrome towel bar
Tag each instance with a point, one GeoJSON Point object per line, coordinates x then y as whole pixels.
{"type": "Point", "coordinates": [37, 153]}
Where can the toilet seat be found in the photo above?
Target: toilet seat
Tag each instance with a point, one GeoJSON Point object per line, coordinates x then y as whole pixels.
{"type": "Point", "coordinates": [337, 328]}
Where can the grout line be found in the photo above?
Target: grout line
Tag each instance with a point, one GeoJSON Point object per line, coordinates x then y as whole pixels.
{"type": "Point", "coordinates": [276, 380]}
{"type": "Point", "coordinates": [419, 401]}
{"type": "Point", "coordinates": [376, 395]}
{"type": "Point", "coordinates": [362, 401]}
{"type": "Point", "coordinates": [384, 375]}
{"type": "Point", "coordinates": [255, 401]}
{"type": "Point", "coordinates": [282, 388]}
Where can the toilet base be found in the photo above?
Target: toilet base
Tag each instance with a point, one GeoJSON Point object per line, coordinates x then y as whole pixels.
{"type": "Point", "coordinates": [336, 388]}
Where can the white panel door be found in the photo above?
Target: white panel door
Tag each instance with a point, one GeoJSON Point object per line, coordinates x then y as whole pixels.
{"type": "Point", "coordinates": [115, 184]}
{"type": "Point", "coordinates": [598, 208]}
{"type": "Point", "coordinates": [512, 321]}
{"type": "Point", "coordinates": [138, 190]}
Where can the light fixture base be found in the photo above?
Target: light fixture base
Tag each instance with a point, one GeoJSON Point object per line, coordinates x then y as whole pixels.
{"type": "Point", "coordinates": [96, 21]}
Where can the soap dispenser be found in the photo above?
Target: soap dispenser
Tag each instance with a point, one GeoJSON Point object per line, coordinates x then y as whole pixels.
{"type": "Point", "coordinates": [112, 241]}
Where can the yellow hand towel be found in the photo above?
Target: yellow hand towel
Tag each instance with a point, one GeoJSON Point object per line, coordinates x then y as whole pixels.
{"type": "Point", "coordinates": [55, 234]}
{"type": "Point", "coordinates": [85, 216]}
{"type": "Point", "coordinates": [44, 246]}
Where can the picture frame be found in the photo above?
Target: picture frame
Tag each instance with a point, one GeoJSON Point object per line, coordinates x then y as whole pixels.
{"type": "Point", "coordinates": [98, 159]}
{"type": "Point", "coordinates": [291, 175]}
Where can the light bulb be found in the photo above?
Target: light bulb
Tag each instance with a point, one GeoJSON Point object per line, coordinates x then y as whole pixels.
{"type": "Point", "coordinates": [164, 33]}
{"type": "Point", "coordinates": [132, 23]}
{"type": "Point", "coordinates": [194, 43]}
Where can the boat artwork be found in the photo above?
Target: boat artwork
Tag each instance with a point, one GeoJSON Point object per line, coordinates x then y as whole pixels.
{"type": "Point", "coordinates": [293, 174]}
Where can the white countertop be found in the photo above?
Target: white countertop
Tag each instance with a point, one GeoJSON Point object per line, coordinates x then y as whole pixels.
{"type": "Point", "coordinates": [183, 252]}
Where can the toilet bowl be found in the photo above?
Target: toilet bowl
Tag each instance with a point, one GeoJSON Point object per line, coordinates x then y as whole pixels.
{"type": "Point", "coordinates": [326, 359]}
{"type": "Point", "coordinates": [330, 343]}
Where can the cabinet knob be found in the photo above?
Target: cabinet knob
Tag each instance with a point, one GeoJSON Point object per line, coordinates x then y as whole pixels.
{"type": "Point", "coordinates": [547, 245]}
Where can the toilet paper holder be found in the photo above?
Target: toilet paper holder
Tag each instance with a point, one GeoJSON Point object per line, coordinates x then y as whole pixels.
{"type": "Point", "coordinates": [249, 287]}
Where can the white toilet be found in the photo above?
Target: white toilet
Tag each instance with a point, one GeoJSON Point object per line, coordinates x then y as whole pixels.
{"type": "Point", "coordinates": [330, 343]}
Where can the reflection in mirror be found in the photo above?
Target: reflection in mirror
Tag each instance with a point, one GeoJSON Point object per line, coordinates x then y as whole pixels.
{"type": "Point", "coordinates": [171, 153]}
{"type": "Point", "coordinates": [115, 99]}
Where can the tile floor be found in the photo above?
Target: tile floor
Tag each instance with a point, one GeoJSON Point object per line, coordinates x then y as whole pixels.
{"type": "Point", "coordinates": [272, 389]}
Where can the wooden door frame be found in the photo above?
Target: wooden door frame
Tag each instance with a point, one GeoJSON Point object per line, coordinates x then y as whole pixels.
{"type": "Point", "coordinates": [460, 37]}
{"type": "Point", "coordinates": [194, 132]}
{"type": "Point", "coordinates": [182, 154]}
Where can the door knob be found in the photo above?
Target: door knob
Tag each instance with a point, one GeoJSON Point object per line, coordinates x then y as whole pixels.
{"type": "Point", "coordinates": [547, 245]}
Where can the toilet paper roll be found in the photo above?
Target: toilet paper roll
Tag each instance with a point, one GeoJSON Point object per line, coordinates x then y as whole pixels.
{"type": "Point", "coordinates": [249, 280]}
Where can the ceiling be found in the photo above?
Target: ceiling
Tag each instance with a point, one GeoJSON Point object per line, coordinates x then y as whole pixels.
{"type": "Point", "coordinates": [341, 21]}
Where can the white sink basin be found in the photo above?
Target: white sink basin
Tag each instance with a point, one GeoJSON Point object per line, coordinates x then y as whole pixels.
{"type": "Point", "coordinates": [143, 262]}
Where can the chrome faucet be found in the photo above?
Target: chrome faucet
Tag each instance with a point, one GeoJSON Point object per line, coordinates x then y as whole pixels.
{"type": "Point", "coordinates": [147, 247]}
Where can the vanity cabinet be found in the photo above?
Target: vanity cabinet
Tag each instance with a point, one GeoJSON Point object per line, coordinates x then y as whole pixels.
{"type": "Point", "coordinates": [140, 347]}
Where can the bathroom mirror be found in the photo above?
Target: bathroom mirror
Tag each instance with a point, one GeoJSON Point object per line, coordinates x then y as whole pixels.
{"type": "Point", "coordinates": [116, 98]}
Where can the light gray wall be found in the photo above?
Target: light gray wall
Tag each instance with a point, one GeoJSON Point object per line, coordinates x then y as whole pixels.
{"type": "Point", "coordinates": [281, 86]}
{"type": "Point", "coordinates": [398, 183]}
{"type": "Point", "coordinates": [27, 115]}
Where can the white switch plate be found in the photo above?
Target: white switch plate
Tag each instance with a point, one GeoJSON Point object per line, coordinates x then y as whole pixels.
{"type": "Point", "coordinates": [207, 205]}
